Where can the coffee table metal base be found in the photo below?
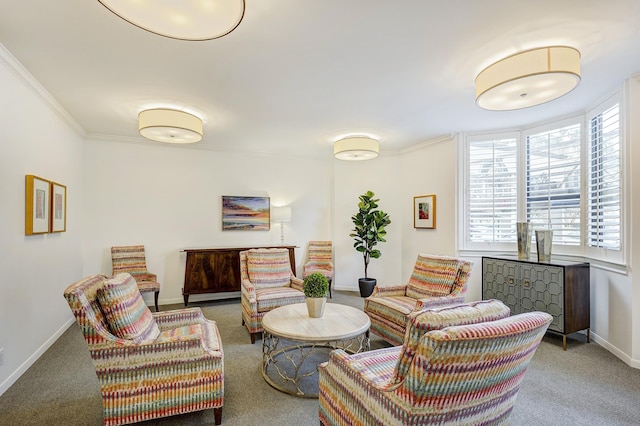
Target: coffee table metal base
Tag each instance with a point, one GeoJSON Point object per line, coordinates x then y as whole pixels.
{"type": "Point", "coordinates": [286, 363]}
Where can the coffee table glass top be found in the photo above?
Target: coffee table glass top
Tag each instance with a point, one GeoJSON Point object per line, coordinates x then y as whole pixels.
{"type": "Point", "coordinates": [338, 322]}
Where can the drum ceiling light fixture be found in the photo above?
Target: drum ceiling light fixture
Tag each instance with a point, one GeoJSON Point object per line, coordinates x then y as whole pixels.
{"type": "Point", "coordinates": [191, 20]}
{"type": "Point", "coordinates": [356, 148]}
{"type": "Point", "coordinates": [528, 78]}
{"type": "Point", "coordinates": [170, 125]}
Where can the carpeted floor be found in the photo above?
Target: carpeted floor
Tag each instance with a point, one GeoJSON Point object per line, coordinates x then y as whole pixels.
{"type": "Point", "coordinates": [586, 385]}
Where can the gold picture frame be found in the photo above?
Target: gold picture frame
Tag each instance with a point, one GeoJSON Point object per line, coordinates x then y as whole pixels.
{"type": "Point", "coordinates": [37, 205]}
{"type": "Point", "coordinates": [58, 207]}
{"type": "Point", "coordinates": [424, 211]}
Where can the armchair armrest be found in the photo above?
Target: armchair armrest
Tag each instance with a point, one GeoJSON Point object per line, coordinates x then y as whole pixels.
{"type": "Point", "coordinates": [146, 276]}
{"type": "Point", "coordinates": [248, 289]}
{"type": "Point", "coordinates": [342, 363]}
{"type": "Point", "coordinates": [178, 318]}
{"type": "Point", "coordinates": [436, 302]}
{"type": "Point", "coordinates": [389, 290]}
{"type": "Point", "coordinates": [296, 283]}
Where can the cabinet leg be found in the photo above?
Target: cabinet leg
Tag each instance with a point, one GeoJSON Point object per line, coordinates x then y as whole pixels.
{"type": "Point", "coordinates": [588, 333]}
{"type": "Point", "coordinates": [185, 296]}
{"type": "Point", "coordinates": [564, 342]}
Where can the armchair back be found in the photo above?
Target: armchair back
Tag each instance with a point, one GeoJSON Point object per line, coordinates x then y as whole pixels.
{"type": "Point", "coordinates": [435, 276]}
{"type": "Point", "coordinates": [266, 268]}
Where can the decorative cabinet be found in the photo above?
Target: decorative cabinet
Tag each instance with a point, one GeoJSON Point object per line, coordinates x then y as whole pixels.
{"type": "Point", "coordinates": [217, 270]}
{"type": "Point", "coordinates": [559, 288]}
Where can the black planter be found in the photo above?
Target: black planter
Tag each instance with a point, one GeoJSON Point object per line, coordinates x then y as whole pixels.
{"type": "Point", "coordinates": [366, 286]}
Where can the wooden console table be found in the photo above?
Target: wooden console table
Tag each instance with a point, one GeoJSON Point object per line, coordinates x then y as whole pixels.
{"type": "Point", "coordinates": [217, 270]}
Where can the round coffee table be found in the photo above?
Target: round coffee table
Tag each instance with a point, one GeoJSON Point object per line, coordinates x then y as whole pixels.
{"type": "Point", "coordinates": [293, 344]}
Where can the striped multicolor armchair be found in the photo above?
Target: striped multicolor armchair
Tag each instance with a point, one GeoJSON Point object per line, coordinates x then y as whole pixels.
{"type": "Point", "coordinates": [435, 281]}
{"type": "Point", "coordinates": [320, 259]}
{"type": "Point", "coordinates": [149, 365]}
{"type": "Point", "coordinates": [465, 374]}
{"type": "Point", "coordinates": [267, 282]}
{"type": "Point", "coordinates": [132, 259]}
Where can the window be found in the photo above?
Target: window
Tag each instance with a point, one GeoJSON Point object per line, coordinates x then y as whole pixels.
{"type": "Point", "coordinates": [491, 189]}
{"type": "Point", "coordinates": [553, 182]}
{"type": "Point", "coordinates": [604, 212]}
{"type": "Point", "coordinates": [566, 176]}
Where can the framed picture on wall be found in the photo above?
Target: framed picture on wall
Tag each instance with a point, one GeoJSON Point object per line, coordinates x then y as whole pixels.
{"type": "Point", "coordinates": [245, 213]}
{"type": "Point", "coordinates": [58, 207]}
{"type": "Point", "coordinates": [424, 211]}
{"type": "Point", "coordinates": [37, 205]}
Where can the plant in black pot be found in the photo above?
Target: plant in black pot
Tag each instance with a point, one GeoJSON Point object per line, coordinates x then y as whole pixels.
{"type": "Point", "coordinates": [369, 230]}
{"type": "Point", "coordinates": [315, 287]}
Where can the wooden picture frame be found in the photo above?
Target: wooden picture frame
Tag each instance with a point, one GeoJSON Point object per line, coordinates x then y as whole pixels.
{"type": "Point", "coordinates": [37, 205]}
{"type": "Point", "coordinates": [58, 207]}
{"type": "Point", "coordinates": [245, 213]}
{"type": "Point", "coordinates": [424, 211]}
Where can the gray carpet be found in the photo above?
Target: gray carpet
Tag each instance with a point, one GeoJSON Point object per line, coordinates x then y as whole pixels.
{"type": "Point", "coordinates": [586, 385]}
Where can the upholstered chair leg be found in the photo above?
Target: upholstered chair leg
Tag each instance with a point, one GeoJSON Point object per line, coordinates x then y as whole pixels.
{"type": "Point", "coordinates": [330, 296]}
{"type": "Point", "coordinates": [253, 337]}
{"type": "Point", "coordinates": [156, 300]}
{"type": "Point", "coordinates": [217, 413]}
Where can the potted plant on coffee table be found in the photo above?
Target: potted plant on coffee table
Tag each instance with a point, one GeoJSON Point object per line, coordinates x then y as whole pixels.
{"type": "Point", "coordinates": [369, 230]}
{"type": "Point", "coordinates": [315, 287]}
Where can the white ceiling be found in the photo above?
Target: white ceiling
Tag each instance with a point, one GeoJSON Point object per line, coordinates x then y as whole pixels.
{"type": "Point", "coordinates": [296, 74]}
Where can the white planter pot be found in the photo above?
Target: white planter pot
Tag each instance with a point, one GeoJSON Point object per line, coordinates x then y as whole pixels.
{"type": "Point", "coordinates": [315, 306]}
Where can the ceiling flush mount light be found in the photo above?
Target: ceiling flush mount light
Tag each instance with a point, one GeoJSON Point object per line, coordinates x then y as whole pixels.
{"type": "Point", "coordinates": [192, 20]}
{"type": "Point", "coordinates": [170, 125]}
{"type": "Point", "coordinates": [356, 148]}
{"type": "Point", "coordinates": [528, 78]}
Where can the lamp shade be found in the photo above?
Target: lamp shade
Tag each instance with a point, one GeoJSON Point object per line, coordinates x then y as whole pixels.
{"type": "Point", "coordinates": [528, 78]}
{"type": "Point", "coordinates": [169, 125]}
{"type": "Point", "coordinates": [281, 214]}
{"type": "Point", "coordinates": [183, 20]}
{"type": "Point", "coordinates": [356, 148]}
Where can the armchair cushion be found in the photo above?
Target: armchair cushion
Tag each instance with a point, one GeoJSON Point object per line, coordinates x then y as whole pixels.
{"type": "Point", "coordinates": [128, 317]}
{"type": "Point", "coordinates": [432, 276]}
{"type": "Point", "coordinates": [274, 297]}
{"type": "Point", "coordinates": [269, 268]}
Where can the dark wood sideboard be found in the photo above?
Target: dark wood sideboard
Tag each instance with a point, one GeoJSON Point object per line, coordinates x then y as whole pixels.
{"type": "Point", "coordinates": [217, 270]}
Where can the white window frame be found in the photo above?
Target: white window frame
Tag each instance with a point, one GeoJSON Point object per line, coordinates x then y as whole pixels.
{"type": "Point", "coordinates": [615, 258]}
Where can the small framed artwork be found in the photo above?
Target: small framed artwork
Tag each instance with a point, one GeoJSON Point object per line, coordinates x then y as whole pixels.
{"type": "Point", "coordinates": [245, 213]}
{"type": "Point", "coordinates": [58, 207]}
{"type": "Point", "coordinates": [424, 211]}
{"type": "Point", "coordinates": [37, 205]}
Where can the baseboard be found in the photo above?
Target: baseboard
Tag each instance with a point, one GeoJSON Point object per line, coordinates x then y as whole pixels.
{"type": "Point", "coordinates": [34, 357]}
{"type": "Point", "coordinates": [615, 351]}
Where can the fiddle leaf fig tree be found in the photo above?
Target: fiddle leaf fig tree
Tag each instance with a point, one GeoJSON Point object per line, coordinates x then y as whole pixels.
{"type": "Point", "coordinates": [369, 228]}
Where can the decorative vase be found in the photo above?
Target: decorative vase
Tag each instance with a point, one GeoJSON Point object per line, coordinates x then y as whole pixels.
{"type": "Point", "coordinates": [524, 239]}
{"type": "Point", "coordinates": [315, 306]}
{"type": "Point", "coordinates": [366, 286]}
{"type": "Point", "coordinates": [544, 241]}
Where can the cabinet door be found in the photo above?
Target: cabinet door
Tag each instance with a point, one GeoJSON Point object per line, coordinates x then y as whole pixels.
{"type": "Point", "coordinates": [499, 282]}
{"type": "Point", "coordinates": [542, 289]}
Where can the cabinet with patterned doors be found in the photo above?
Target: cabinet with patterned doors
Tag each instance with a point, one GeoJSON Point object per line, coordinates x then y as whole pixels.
{"type": "Point", "coordinates": [559, 288]}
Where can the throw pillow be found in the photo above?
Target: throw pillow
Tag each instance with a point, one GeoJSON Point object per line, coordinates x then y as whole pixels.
{"type": "Point", "coordinates": [128, 317]}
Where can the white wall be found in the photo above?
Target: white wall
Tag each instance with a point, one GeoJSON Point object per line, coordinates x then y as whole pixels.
{"type": "Point", "coordinates": [168, 198]}
{"type": "Point", "coordinates": [34, 270]}
{"type": "Point", "coordinates": [352, 179]}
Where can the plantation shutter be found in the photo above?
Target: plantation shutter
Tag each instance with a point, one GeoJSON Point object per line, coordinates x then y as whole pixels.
{"type": "Point", "coordinates": [604, 182]}
{"type": "Point", "coordinates": [553, 183]}
{"type": "Point", "coordinates": [491, 190]}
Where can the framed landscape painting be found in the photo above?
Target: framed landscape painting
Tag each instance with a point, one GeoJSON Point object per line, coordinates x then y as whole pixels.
{"type": "Point", "coordinates": [37, 205]}
{"type": "Point", "coordinates": [245, 213]}
{"type": "Point", "coordinates": [424, 211]}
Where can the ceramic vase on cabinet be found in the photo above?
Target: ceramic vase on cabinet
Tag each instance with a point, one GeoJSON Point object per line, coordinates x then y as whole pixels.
{"type": "Point", "coordinates": [544, 241]}
{"type": "Point", "coordinates": [524, 239]}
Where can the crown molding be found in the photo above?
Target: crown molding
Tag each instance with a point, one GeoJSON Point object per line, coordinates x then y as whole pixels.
{"type": "Point", "coordinates": [20, 72]}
